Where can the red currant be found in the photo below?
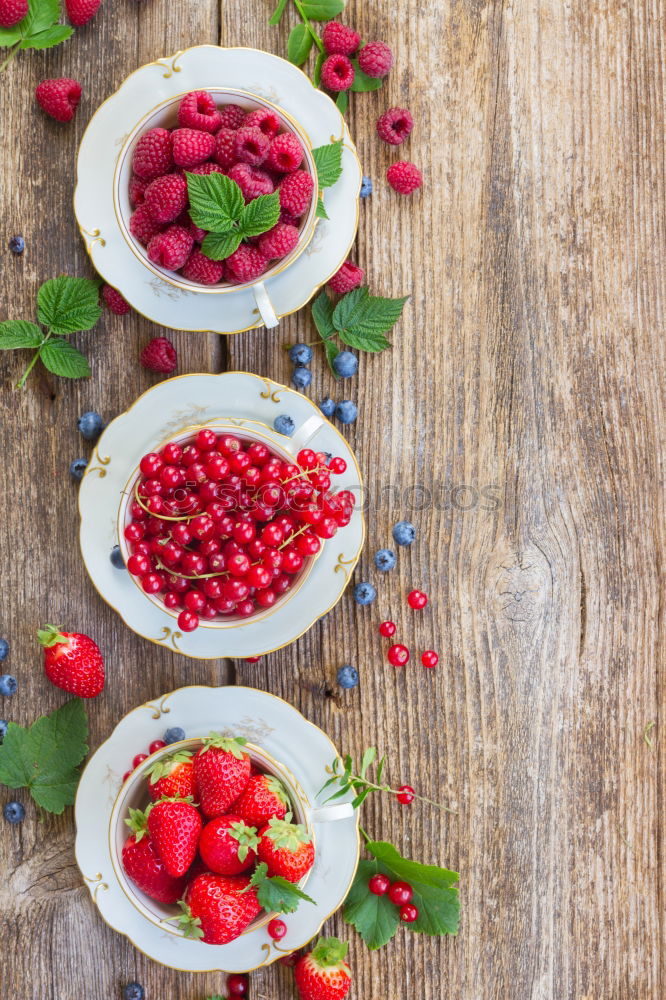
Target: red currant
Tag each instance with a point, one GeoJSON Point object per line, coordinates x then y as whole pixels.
{"type": "Point", "coordinates": [265, 598]}
{"type": "Point", "coordinates": [139, 759]}
{"type": "Point", "coordinates": [171, 600]}
{"type": "Point", "coordinates": [244, 532]}
{"type": "Point", "coordinates": [379, 885]}
{"type": "Point", "coordinates": [191, 454]}
{"type": "Point", "coordinates": [409, 913]}
{"type": "Point", "coordinates": [292, 561]}
{"type": "Point", "coordinates": [196, 474]}
{"type": "Point", "coordinates": [245, 608]}
{"type": "Point", "coordinates": [327, 527]}
{"type": "Point", "coordinates": [193, 564]}
{"type": "Point", "coordinates": [206, 440]}
{"type": "Point", "coordinates": [126, 775]}
{"type": "Point", "coordinates": [134, 532]}
{"type": "Point", "coordinates": [194, 600]}
{"type": "Point", "coordinates": [217, 467]}
{"type": "Point", "coordinates": [281, 583]}
{"type": "Point", "coordinates": [405, 795]}
{"type": "Point", "coordinates": [155, 503]}
{"type": "Point", "coordinates": [259, 453]}
{"type": "Point", "coordinates": [277, 929]}
{"type": "Point", "coordinates": [212, 588]}
{"type": "Point", "coordinates": [235, 590]}
{"type": "Point", "coordinates": [272, 534]}
{"type": "Point", "coordinates": [152, 583]}
{"type": "Point", "coordinates": [238, 564]}
{"type": "Point", "coordinates": [387, 629]}
{"type": "Point", "coordinates": [290, 960]}
{"type": "Point", "coordinates": [209, 611]}
{"type": "Point", "coordinates": [172, 453]}
{"type": "Point", "coordinates": [400, 893]}
{"type": "Point", "coordinates": [171, 476]}
{"type": "Point", "coordinates": [398, 655]}
{"type": "Point", "coordinates": [252, 659]}
{"type": "Point", "coordinates": [156, 745]}
{"type": "Point", "coordinates": [181, 534]}
{"type": "Point", "coordinates": [259, 577]}
{"type": "Point", "coordinates": [151, 464]}
{"type": "Point", "coordinates": [417, 599]}
{"type": "Point", "coordinates": [428, 659]}
{"type": "Point", "coordinates": [237, 985]}
{"type": "Point", "coordinates": [307, 458]}
{"type": "Point", "coordinates": [308, 544]}
{"type": "Point", "coordinates": [228, 444]}
{"type": "Point", "coordinates": [187, 621]}
{"type": "Point", "coordinates": [321, 481]}
{"type": "Point", "coordinates": [337, 466]}
{"type": "Point", "coordinates": [138, 565]}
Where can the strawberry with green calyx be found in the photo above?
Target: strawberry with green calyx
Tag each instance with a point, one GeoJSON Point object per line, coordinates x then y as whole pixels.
{"type": "Point", "coordinates": [72, 661]}
{"type": "Point", "coordinates": [172, 777]}
{"type": "Point", "coordinates": [174, 826]}
{"type": "Point", "coordinates": [286, 848]}
{"type": "Point", "coordinates": [228, 846]}
{"type": "Point", "coordinates": [222, 771]}
{"type": "Point", "coordinates": [263, 798]}
{"type": "Point", "coordinates": [275, 893]}
{"type": "Point", "coordinates": [218, 908]}
{"type": "Point", "coordinates": [323, 974]}
{"type": "Point", "coordinates": [144, 866]}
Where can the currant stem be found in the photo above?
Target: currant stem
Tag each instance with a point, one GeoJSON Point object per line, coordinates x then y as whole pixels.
{"type": "Point", "coordinates": [356, 780]}
{"type": "Point", "coordinates": [306, 21]}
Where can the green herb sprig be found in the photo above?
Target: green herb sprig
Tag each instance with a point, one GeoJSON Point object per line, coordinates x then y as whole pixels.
{"type": "Point", "coordinates": [217, 205]}
{"type": "Point", "coordinates": [39, 29]}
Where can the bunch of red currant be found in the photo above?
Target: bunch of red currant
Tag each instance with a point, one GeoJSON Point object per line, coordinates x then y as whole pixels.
{"type": "Point", "coordinates": [400, 894]}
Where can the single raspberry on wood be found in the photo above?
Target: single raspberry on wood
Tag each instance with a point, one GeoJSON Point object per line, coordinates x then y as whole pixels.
{"type": "Point", "coordinates": [348, 277]}
{"type": "Point", "coordinates": [404, 177]}
{"type": "Point", "coordinates": [224, 147]}
{"type": "Point", "coordinates": [375, 59]}
{"type": "Point", "coordinates": [263, 119]}
{"type": "Point", "coordinates": [142, 226]}
{"type": "Point", "coordinates": [231, 116]}
{"type": "Point", "coordinates": [159, 356]}
{"type": "Point", "coordinates": [337, 73]}
{"type": "Point", "coordinates": [191, 147]}
{"type": "Point", "coordinates": [285, 154]}
{"type": "Point", "coordinates": [340, 40]}
{"type": "Point", "coordinates": [278, 241]}
{"type": "Point", "coordinates": [137, 187]}
{"type": "Point", "coordinates": [12, 11]}
{"type": "Point", "coordinates": [251, 145]}
{"type": "Point", "coordinates": [114, 300]}
{"type": "Point", "coordinates": [171, 248]}
{"type": "Point", "coordinates": [253, 181]}
{"type": "Point", "coordinates": [296, 192]}
{"type": "Point", "coordinates": [166, 197]}
{"type": "Point", "coordinates": [59, 98]}
{"type": "Point", "coordinates": [153, 154]}
{"type": "Point", "coordinates": [202, 269]}
{"type": "Point", "coordinates": [79, 12]}
{"type": "Point", "coordinates": [395, 125]}
{"type": "Point", "coordinates": [198, 110]}
{"type": "Point", "coordinates": [246, 263]}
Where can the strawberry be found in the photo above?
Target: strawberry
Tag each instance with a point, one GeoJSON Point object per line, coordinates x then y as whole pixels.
{"type": "Point", "coordinates": [174, 826]}
{"type": "Point", "coordinates": [72, 661]}
{"type": "Point", "coordinates": [79, 12]}
{"type": "Point", "coordinates": [222, 771]}
{"type": "Point", "coordinates": [286, 848]}
{"type": "Point", "coordinates": [228, 846]}
{"type": "Point", "coordinates": [172, 777]}
{"type": "Point", "coordinates": [263, 799]}
{"type": "Point", "coordinates": [217, 909]}
{"type": "Point", "coordinates": [144, 866]}
{"type": "Point", "coordinates": [323, 974]}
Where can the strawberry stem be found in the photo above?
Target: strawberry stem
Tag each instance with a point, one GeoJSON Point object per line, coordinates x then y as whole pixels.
{"type": "Point", "coordinates": [6, 62]}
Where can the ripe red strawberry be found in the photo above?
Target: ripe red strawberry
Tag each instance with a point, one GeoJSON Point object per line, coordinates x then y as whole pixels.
{"type": "Point", "coordinates": [79, 12]}
{"type": "Point", "coordinates": [227, 846]}
{"type": "Point", "coordinates": [286, 848]}
{"type": "Point", "coordinates": [222, 771]}
{"type": "Point", "coordinates": [323, 974]}
{"type": "Point", "coordinates": [72, 661]}
{"type": "Point", "coordinates": [146, 869]}
{"type": "Point", "coordinates": [59, 98]}
{"type": "Point", "coordinates": [159, 355]}
{"type": "Point", "coordinates": [172, 777]}
{"type": "Point", "coordinates": [12, 11]}
{"type": "Point", "coordinates": [216, 909]}
{"type": "Point", "coordinates": [263, 799]}
{"type": "Point", "coordinates": [174, 826]}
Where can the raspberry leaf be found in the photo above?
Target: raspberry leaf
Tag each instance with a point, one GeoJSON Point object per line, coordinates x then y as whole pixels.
{"type": "Point", "coordinates": [218, 246]}
{"type": "Point", "coordinates": [299, 44]}
{"type": "Point", "coordinates": [66, 305]}
{"type": "Point", "coordinates": [342, 101]}
{"type": "Point", "coordinates": [260, 215]}
{"type": "Point", "coordinates": [320, 210]}
{"type": "Point", "coordinates": [41, 15]}
{"type": "Point", "coordinates": [316, 76]}
{"type": "Point", "coordinates": [374, 917]}
{"type": "Point", "coordinates": [10, 36]}
{"type": "Point", "coordinates": [362, 82]}
{"type": "Point", "coordinates": [322, 314]}
{"type": "Point", "coordinates": [47, 38]}
{"type": "Point", "coordinates": [321, 10]}
{"type": "Point", "coordinates": [276, 894]}
{"type": "Point", "coordinates": [328, 161]}
{"type": "Point", "coordinates": [216, 202]}
{"type": "Point", "coordinates": [362, 319]}
{"type": "Point", "coordinates": [19, 333]}
{"type": "Point", "coordinates": [61, 358]}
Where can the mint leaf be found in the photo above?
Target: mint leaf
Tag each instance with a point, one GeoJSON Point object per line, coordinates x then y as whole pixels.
{"type": "Point", "coordinates": [47, 38]}
{"type": "Point", "coordinates": [276, 16]}
{"type": "Point", "coordinates": [299, 44]}
{"type": "Point", "coordinates": [362, 82]}
{"type": "Point", "coordinates": [218, 246]}
{"type": "Point", "coordinates": [45, 757]}
{"type": "Point", "coordinates": [320, 210]}
{"type": "Point", "coordinates": [216, 202]}
{"type": "Point", "coordinates": [276, 894]}
{"type": "Point", "coordinates": [342, 101]}
{"type": "Point", "coordinates": [328, 161]}
{"type": "Point", "coordinates": [67, 305]}
{"type": "Point", "coordinates": [41, 15]}
{"type": "Point", "coordinates": [19, 333]}
{"type": "Point", "coordinates": [362, 319]}
{"type": "Point", "coordinates": [260, 215]}
{"type": "Point", "coordinates": [435, 896]}
{"type": "Point", "coordinates": [322, 10]}
{"type": "Point", "coordinates": [374, 917]}
{"type": "Point", "coordinates": [62, 359]}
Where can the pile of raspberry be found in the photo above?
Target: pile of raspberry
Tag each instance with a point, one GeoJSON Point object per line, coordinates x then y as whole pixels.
{"type": "Point", "coordinates": [341, 43]}
{"type": "Point", "coordinates": [222, 526]}
{"type": "Point", "coordinates": [251, 148]}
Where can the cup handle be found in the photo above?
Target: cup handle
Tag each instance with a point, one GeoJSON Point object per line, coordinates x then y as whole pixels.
{"type": "Point", "coordinates": [329, 814]}
{"type": "Point", "coordinates": [265, 306]}
{"type": "Point", "coordinates": [304, 433]}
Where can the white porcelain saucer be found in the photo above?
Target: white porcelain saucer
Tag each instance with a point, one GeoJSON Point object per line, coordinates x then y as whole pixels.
{"type": "Point", "coordinates": [159, 414]}
{"type": "Point", "coordinates": [270, 723]}
{"type": "Point", "coordinates": [266, 76]}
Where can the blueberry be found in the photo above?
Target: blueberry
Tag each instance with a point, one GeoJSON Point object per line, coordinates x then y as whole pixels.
{"type": "Point", "coordinates": [4, 649]}
{"type": "Point", "coordinates": [174, 734]}
{"type": "Point", "coordinates": [77, 468]}
{"type": "Point", "coordinates": [116, 557]}
{"type": "Point", "coordinates": [300, 354]}
{"type": "Point", "coordinates": [404, 533]}
{"type": "Point", "coordinates": [347, 676]}
{"type": "Point", "coordinates": [364, 593]}
{"type": "Point", "coordinates": [345, 364]}
{"type": "Point", "coordinates": [385, 560]}
{"type": "Point", "coordinates": [301, 377]}
{"type": "Point", "coordinates": [3, 729]}
{"type": "Point", "coordinates": [366, 187]}
{"type": "Point", "coordinates": [91, 425]}
{"type": "Point", "coordinates": [14, 812]}
{"type": "Point", "coordinates": [133, 991]}
{"type": "Point", "coordinates": [8, 685]}
{"type": "Point", "coordinates": [284, 424]}
{"type": "Point", "coordinates": [17, 244]}
{"type": "Point", "coordinates": [346, 411]}
{"type": "Point", "coordinates": [327, 406]}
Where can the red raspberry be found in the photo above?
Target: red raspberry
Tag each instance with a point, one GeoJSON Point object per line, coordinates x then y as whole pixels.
{"type": "Point", "coordinates": [224, 147]}
{"type": "Point", "coordinates": [231, 116]}
{"type": "Point", "coordinates": [289, 219]}
{"type": "Point", "coordinates": [263, 119]}
{"type": "Point", "coordinates": [12, 11]}
{"type": "Point", "coordinates": [171, 248]}
{"type": "Point", "coordinates": [197, 234]}
{"type": "Point", "coordinates": [142, 226]}
{"type": "Point", "coordinates": [404, 177]}
{"type": "Point", "coordinates": [114, 300]}
{"type": "Point", "coordinates": [191, 147]}
{"type": "Point", "coordinates": [349, 276]}
{"type": "Point", "coordinates": [395, 125]}
{"type": "Point", "coordinates": [202, 269]}
{"type": "Point", "coordinates": [198, 111]}
{"type": "Point", "coordinates": [296, 192]}
{"type": "Point", "coordinates": [337, 73]}
{"type": "Point", "coordinates": [246, 263]}
{"type": "Point", "coordinates": [251, 145]}
{"type": "Point", "coordinates": [208, 168]}
{"type": "Point", "coordinates": [375, 59]}
{"type": "Point", "coordinates": [153, 154]}
{"type": "Point", "coordinates": [59, 98]}
{"type": "Point", "coordinates": [79, 12]}
{"type": "Point", "coordinates": [137, 187]}
{"type": "Point", "coordinates": [285, 154]}
{"type": "Point", "coordinates": [278, 241]}
{"type": "Point", "coordinates": [166, 197]}
{"type": "Point", "coordinates": [159, 356]}
{"type": "Point", "coordinates": [340, 40]}
{"type": "Point", "coordinates": [251, 180]}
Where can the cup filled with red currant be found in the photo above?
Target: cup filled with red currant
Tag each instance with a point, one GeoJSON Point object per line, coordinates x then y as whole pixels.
{"type": "Point", "coordinates": [221, 524]}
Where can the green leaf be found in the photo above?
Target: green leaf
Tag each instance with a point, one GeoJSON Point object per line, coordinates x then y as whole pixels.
{"type": "Point", "coordinates": [342, 101]}
{"type": "Point", "coordinates": [361, 319]}
{"type": "Point", "coordinates": [277, 894]}
{"type": "Point", "coordinates": [10, 36]}
{"type": "Point", "coordinates": [320, 210]}
{"type": "Point", "coordinates": [276, 16]}
{"type": "Point", "coordinates": [218, 246]}
{"type": "Point", "coordinates": [316, 76]}
{"type": "Point", "coordinates": [41, 15]}
{"type": "Point", "coordinates": [435, 895]}
{"type": "Point", "coordinates": [331, 353]}
{"type": "Point", "coordinates": [374, 917]}
{"type": "Point", "coordinates": [67, 305]}
{"type": "Point", "coordinates": [45, 757]}
{"type": "Point", "coordinates": [216, 202]}
{"type": "Point", "coordinates": [299, 44]}
{"type": "Point", "coordinates": [322, 10]}
{"type": "Point", "coordinates": [362, 82]}
{"type": "Point", "coordinates": [260, 215]}
{"type": "Point", "coordinates": [322, 314]}
{"type": "Point", "coordinates": [61, 358]}
{"type": "Point", "coordinates": [328, 161]}
{"type": "Point", "coordinates": [369, 757]}
{"type": "Point", "coordinates": [19, 333]}
{"type": "Point", "coordinates": [49, 37]}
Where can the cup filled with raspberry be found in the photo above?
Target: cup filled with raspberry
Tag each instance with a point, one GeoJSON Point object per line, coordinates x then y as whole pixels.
{"type": "Point", "coordinates": [220, 525]}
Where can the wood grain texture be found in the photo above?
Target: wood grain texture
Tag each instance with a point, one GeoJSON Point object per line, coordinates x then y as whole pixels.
{"type": "Point", "coordinates": [530, 363]}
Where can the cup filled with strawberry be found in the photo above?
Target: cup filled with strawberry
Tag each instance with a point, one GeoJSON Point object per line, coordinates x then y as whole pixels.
{"type": "Point", "coordinates": [220, 524]}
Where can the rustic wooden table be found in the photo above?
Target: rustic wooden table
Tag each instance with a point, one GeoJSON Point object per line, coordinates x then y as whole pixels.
{"type": "Point", "coordinates": [530, 358]}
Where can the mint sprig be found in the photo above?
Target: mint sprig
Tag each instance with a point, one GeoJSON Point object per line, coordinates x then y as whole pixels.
{"type": "Point", "coordinates": [217, 205]}
{"type": "Point", "coordinates": [65, 305]}
{"type": "Point", "coordinates": [359, 320]}
{"type": "Point", "coordinates": [39, 29]}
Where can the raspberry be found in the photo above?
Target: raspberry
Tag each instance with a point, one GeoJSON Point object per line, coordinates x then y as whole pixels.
{"type": "Point", "coordinates": [285, 154]}
{"type": "Point", "coordinates": [404, 177]}
{"type": "Point", "coordinates": [251, 145]}
{"type": "Point", "coordinates": [278, 241]}
{"type": "Point", "coordinates": [337, 73]}
{"type": "Point", "coordinates": [296, 192]}
{"type": "Point", "coordinates": [349, 276]}
{"type": "Point", "coordinates": [224, 147]}
{"type": "Point", "coordinates": [375, 59]}
{"type": "Point", "coordinates": [395, 125]}
{"type": "Point", "coordinates": [159, 356]}
{"type": "Point", "coordinates": [191, 147]}
{"type": "Point", "coordinates": [59, 98]}
{"type": "Point", "coordinates": [208, 168]}
{"type": "Point", "coordinates": [246, 263]}
{"type": "Point", "coordinates": [231, 116]}
{"type": "Point", "coordinates": [142, 226]}
{"type": "Point", "coordinates": [251, 180]}
{"type": "Point", "coordinates": [171, 248]}
{"type": "Point", "coordinates": [195, 232]}
{"type": "Point", "coordinates": [153, 154]}
{"type": "Point", "coordinates": [340, 40]}
{"type": "Point", "coordinates": [202, 269]}
{"type": "Point", "coordinates": [114, 300]}
{"type": "Point", "coordinates": [289, 219]}
{"type": "Point", "coordinates": [79, 12]}
{"type": "Point", "coordinates": [265, 120]}
{"type": "Point", "coordinates": [137, 187]}
{"type": "Point", "coordinates": [12, 11]}
{"type": "Point", "coordinates": [198, 111]}
{"type": "Point", "coordinates": [166, 197]}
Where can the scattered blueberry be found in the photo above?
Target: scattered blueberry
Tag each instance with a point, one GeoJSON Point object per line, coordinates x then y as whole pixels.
{"type": "Point", "coordinates": [366, 187]}
{"type": "Point", "coordinates": [133, 991]}
{"type": "Point", "coordinates": [347, 676]}
{"type": "Point", "coordinates": [8, 685]}
{"type": "Point", "coordinates": [174, 734]}
{"type": "Point", "coordinates": [17, 244]}
{"type": "Point", "coordinates": [301, 377]}
{"type": "Point", "coordinates": [346, 411]}
{"type": "Point", "coordinates": [385, 560]}
{"type": "Point", "coordinates": [3, 729]}
{"type": "Point", "coordinates": [301, 354]}
{"type": "Point", "coordinates": [327, 406]}
{"type": "Point", "coordinates": [364, 593]}
{"type": "Point", "coordinates": [404, 533]}
{"type": "Point", "coordinates": [14, 812]}
{"type": "Point", "coordinates": [345, 364]}
{"type": "Point", "coordinates": [77, 468]}
{"type": "Point", "coordinates": [4, 649]}
{"type": "Point", "coordinates": [284, 424]}
{"type": "Point", "coordinates": [91, 425]}
{"type": "Point", "coordinates": [116, 557]}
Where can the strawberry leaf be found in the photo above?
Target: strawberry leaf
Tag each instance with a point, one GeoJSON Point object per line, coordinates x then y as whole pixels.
{"type": "Point", "coordinates": [47, 38]}
{"type": "Point", "coordinates": [67, 305]}
{"type": "Point", "coordinates": [322, 10]}
{"type": "Point", "coordinates": [374, 917]}
{"type": "Point", "coordinates": [299, 44]}
{"type": "Point", "coordinates": [276, 894]}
